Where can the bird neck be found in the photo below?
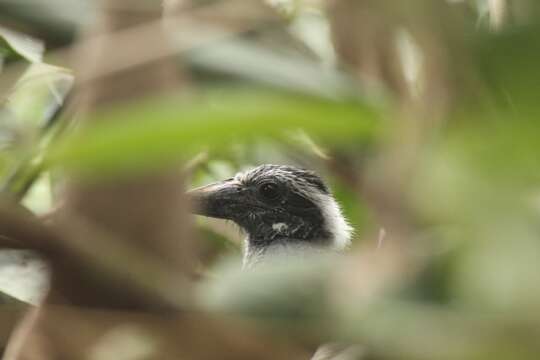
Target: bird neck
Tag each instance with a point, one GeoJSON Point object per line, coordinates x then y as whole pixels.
{"type": "Point", "coordinates": [256, 251]}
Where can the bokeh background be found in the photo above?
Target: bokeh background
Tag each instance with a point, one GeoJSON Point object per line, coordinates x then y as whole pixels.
{"type": "Point", "coordinates": [422, 115]}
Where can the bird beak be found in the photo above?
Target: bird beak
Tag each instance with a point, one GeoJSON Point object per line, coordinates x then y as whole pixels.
{"type": "Point", "coordinates": [216, 200]}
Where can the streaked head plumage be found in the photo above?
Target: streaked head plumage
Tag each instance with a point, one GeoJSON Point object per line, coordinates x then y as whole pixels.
{"type": "Point", "coordinates": [278, 205]}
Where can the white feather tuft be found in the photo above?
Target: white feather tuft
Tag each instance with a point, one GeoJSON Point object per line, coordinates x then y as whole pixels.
{"type": "Point", "coordinates": [336, 223]}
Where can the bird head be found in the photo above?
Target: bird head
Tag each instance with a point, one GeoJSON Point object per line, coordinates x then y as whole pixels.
{"type": "Point", "coordinates": [276, 204]}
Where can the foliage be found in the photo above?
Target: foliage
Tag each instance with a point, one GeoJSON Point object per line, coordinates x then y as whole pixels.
{"type": "Point", "coordinates": [430, 145]}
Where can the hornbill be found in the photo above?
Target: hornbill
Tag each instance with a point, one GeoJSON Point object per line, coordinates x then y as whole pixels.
{"type": "Point", "coordinates": [283, 210]}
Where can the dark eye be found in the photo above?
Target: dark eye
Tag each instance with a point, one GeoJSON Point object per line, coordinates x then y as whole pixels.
{"type": "Point", "coordinates": [269, 191]}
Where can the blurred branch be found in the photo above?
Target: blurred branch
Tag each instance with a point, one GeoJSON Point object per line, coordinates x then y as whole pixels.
{"type": "Point", "coordinates": [193, 29]}
{"type": "Point", "coordinates": [188, 29]}
{"type": "Point", "coordinates": [75, 249]}
{"type": "Point", "coordinates": [188, 335]}
{"type": "Point", "coordinates": [21, 230]}
{"type": "Point", "coordinates": [366, 35]}
{"type": "Point", "coordinates": [11, 312]}
{"type": "Point", "coordinates": [132, 230]}
{"type": "Point", "coordinates": [202, 25]}
{"type": "Point", "coordinates": [156, 231]}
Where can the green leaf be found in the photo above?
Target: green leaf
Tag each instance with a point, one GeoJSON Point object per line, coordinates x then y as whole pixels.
{"type": "Point", "coordinates": [160, 132]}
{"type": "Point", "coordinates": [33, 108]}
{"type": "Point", "coordinates": [40, 90]}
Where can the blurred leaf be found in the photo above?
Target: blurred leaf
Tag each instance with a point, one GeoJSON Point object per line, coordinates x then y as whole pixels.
{"type": "Point", "coordinates": [162, 131]}
{"type": "Point", "coordinates": [289, 71]}
{"type": "Point", "coordinates": [498, 271]}
{"type": "Point", "coordinates": [20, 45]}
{"type": "Point", "coordinates": [39, 197]}
{"type": "Point", "coordinates": [506, 62]}
{"type": "Point", "coordinates": [34, 106]}
{"type": "Point", "coordinates": [275, 290]}
{"type": "Point", "coordinates": [52, 18]}
{"type": "Point", "coordinates": [38, 93]}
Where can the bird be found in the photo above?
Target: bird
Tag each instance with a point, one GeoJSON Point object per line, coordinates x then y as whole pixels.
{"type": "Point", "coordinates": [283, 209]}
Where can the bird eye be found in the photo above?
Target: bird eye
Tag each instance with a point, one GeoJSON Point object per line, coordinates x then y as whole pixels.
{"type": "Point", "coordinates": [269, 190]}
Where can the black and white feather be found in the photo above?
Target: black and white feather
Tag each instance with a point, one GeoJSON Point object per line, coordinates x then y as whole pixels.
{"type": "Point", "coordinates": [283, 209]}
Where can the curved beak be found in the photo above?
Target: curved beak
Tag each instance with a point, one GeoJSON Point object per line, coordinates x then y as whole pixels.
{"type": "Point", "coordinates": [217, 199]}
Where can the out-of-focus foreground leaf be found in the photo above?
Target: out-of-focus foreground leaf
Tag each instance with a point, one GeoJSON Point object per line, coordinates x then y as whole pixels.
{"type": "Point", "coordinates": [30, 123]}
{"type": "Point", "coordinates": [481, 180]}
{"type": "Point", "coordinates": [19, 45]}
{"type": "Point", "coordinates": [163, 131]}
